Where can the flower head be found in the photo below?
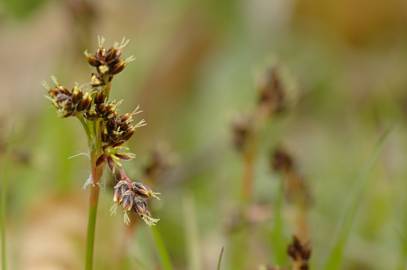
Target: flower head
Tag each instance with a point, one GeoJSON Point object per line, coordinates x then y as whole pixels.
{"type": "Point", "coordinates": [300, 254]}
{"type": "Point", "coordinates": [69, 102]}
{"type": "Point", "coordinates": [108, 62]}
{"type": "Point", "coordinates": [133, 196]}
{"type": "Point", "coordinates": [272, 94]}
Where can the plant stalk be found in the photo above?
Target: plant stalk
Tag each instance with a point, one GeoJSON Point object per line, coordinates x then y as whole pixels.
{"type": "Point", "coordinates": [248, 175]}
{"type": "Point", "coordinates": [3, 223]}
{"type": "Point", "coordinates": [3, 210]}
{"type": "Point", "coordinates": [96, 174]}
{"type": "Point", "coordinates": [95, 146]}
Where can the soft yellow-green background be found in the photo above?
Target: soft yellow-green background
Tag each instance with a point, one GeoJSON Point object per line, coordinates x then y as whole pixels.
{"type": "Point", "coordinates": [197, 63]}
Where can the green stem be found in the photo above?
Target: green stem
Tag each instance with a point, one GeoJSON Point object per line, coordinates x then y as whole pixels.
{"type": "Point", "coordinates": [96, 174]}
{"type": "Point", "coordinates": [93, 130]}
{"type": "Point", "coordinates": [3, 209]}
{"type": "Point", "coordinates": [3, 224]}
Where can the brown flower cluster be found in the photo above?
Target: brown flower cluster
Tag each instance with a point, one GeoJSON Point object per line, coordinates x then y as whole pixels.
{"type": "Point", "coordinates": [272, 92]}
{"type": "Point", "coordinates": [108, 62]}
{"type": "Point", "coordinates": [295, 186]}
{"type": "Point", "coordinates": [69, 102]}
{"type": "Point", "coordinates": [272, 100]}
{"type": "Point", "coordinates": [242, 129]}
{"type": "Point", "coordinates": [133, 196]}
{"type": "Point", "coordinates": [300, 254]}
{"type": "Point", "coordinates": [106, 128]}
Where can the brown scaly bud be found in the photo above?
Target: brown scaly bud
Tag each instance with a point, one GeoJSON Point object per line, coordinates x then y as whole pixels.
{"type": "Point", "coordinates": [281, 160]}
{"type": "Point", "coordinates": [128, 200]}
{"type": "Point", "coordinates": [118, 129]}
{"type": "Point", "coordinates": [128, 133]}
{"type": "Point", "coordinates": [91, 115]}
{"type": "Point", "coordinates": [113, 55]}
{"type": "Point", "coordinates": [119, 189]}
{"type": "Point", "coordinates": [241, 130]}
{"type": "Point", "coordinates": [92, 60]}
{"type": "Point", "coordinates": [299, 253]}
{"type": "Point", "coordinates": [140, 207]}
{"type": "Point", "coordinates": [106, 110]}
{"type": "Point", "coordinates": [272, 94]}
{"type": "Point", "coordinates": [117, 68]}
{"type": "Point", "coordinates": [100, 97]}
{"type": "Point", "coordinates": [85, 103]}
{"type": "Point", "coordinates": [144, 191]}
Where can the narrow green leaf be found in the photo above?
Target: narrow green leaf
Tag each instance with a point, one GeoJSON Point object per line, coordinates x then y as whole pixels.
{"type": "Point", "coordinates": [220, 258]}
{"type": "Point", "coordinates": [191, 231]}
{"type": "Point", "coordinates": [161, 249]}
{"type": "Point", "coordinates": [335, 257]}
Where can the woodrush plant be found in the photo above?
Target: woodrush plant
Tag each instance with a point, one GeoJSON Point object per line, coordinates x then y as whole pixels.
{"type": "Point", "coordinates": [273, 99]}
{"type": "Point", "coordinates": [107, 131]}
{"type": "Point", "coordinates": [295, 189]}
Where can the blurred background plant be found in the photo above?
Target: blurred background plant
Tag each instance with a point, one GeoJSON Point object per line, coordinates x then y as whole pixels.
{"type": "Point", "coordinates": [197, 65]}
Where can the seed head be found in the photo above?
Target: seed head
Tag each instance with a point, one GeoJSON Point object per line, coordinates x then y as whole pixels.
{"type": "Point", "coordinates": [241, 130]}
{"type": "Point", "coordinates": [108, 62]}
{"type": "Point", "coordinates": [118, 128]}
{"type": "Point", "coordinates": [133, 196]}
{"type": "Point", "coordinates": [281, 160]}
{"type": "Point", "coordinates": [300, 254]}
{"type": "Point", "coordinates": [272, 93]}
{"type": "Point", "coordinates": [69, 102]}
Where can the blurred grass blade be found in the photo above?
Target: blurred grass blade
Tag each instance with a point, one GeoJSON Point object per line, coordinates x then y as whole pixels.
{"type": "Point", "coordinates": [161, 249]}
{"type": "Point", "coordinates": [402, 264]}
{"type": "Point", "coordinates": [220, 258]}
{"type": "Point", "coordinates": [402, 232]}
{"type": "Point", "coordinates": [3, 202]}
{"type": "Point", "coordinates": [3, 191]}
{"type": "Point", "coordinates": [191, 230]}
{"type": "Point", "coordinates": [22, 9]}
{"type": "Point", "coordinates": [278, 244]}
{"type": "Point", "coordinates": [335, 257]}
{"type": "Point", "coordinates": [140, 264]}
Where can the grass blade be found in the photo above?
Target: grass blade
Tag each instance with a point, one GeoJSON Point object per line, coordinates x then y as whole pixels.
{"type": "Point", "coordinates": [3, 195]}
{"type": "Point", "coordinates": [161, 249]}
{"type": "Point", "coordinates": [3, 204]}
{"type": "Point", "coordinates": [220, 258]}
{"type": "Point", "coordinates": [336, 254]}
{"type": "Point", "coordinates": [191, 230]}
